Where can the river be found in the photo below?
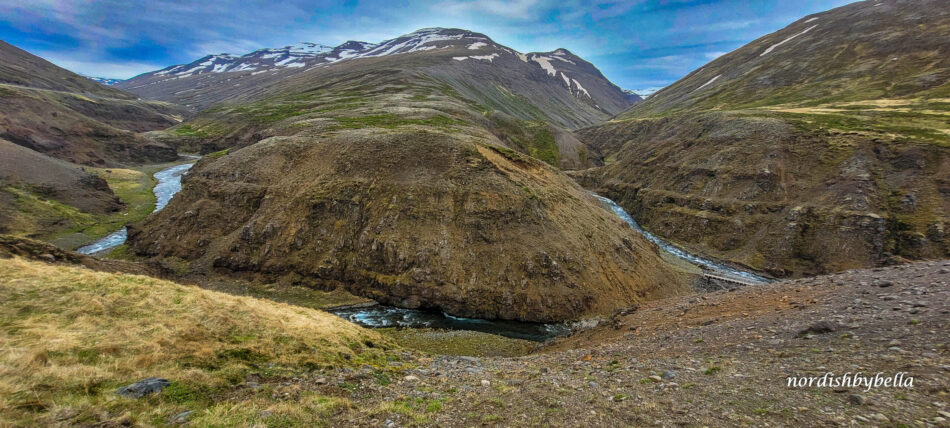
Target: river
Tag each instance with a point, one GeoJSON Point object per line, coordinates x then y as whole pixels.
{"type": "Point", "coordinates": [169, 183]}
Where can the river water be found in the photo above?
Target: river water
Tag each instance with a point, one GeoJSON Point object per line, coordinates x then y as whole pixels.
{"type": "Point", "coordinates": [703, 263]}
{"type": "Point", "coordinates": [169, 183]}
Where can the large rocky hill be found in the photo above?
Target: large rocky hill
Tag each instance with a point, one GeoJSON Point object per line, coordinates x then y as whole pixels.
{"type": "Point", "coordinates": [401, 178]}
{"type": "Point", "coordinates": [821, 147]}
{"type": "Point", "coordinates": [67, 116]}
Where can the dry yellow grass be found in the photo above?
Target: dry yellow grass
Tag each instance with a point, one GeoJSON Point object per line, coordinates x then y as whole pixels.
{"type": "Point", "coordinates": [69, 336]}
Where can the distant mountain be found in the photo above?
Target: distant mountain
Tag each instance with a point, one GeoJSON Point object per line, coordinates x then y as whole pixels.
{"type": "Point", "coordinates": [67, 116]}
{"type": "Point", "coordinates": [821, 147]}
{"type": "Point", "coordinates": [642, 93]}
{"type": "Point", "coordinates": [215, 78]}
{"type": "Point", "coordinates": [104, 81]}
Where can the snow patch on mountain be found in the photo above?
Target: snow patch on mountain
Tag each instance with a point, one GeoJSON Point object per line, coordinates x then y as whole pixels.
{"type": "Point", "coordinates": [771, 48]}
{"type": "Point", "coordinates": [488, 58]}
{"type": "Point", "coordinates": [545, 63]}
{"type": "Point", "coordinates": [477, 45]}
{"type": "Point", "coordinates": [708, 83]}
{"type": "Point", "coordinates": [581, 88]}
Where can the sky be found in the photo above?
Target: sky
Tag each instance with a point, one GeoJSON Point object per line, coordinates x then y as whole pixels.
{"type": "Point", "coordinates": [637, 44]}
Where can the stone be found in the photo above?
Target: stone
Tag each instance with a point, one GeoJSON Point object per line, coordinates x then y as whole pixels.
{"type": "Point", "coordinates": [485, 382]}
{"type": "Point", "coordinates": [143, 387]}
{"type": "Point", "coordinates": [820, 327]}
{"type": "Point", "coordinates": [856, 399]}
{"type": "Point", "coordinates": [411, 378]}
{"type": "Point", "coordinates": [669, 374]}
{"type": "Point", "coordinates": [252, 385]}
{"type": "Point", "coordinates": [656, 378]}
{"type": "Point", "coordinates": [181, 417]}
{"type": "Point", "coordinates": [48, 257]}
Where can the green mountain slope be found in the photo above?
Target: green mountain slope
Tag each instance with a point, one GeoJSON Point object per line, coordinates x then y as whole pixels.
{"type": "Point", "coordinates": [823, 146]}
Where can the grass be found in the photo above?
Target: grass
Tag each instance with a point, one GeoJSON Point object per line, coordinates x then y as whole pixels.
{"type": "Point", "coordinates": [389, 120]}
{"type": "Point", "coordinates": [459, 342]}
{"type": "Point", "coordinates": [71, 336]}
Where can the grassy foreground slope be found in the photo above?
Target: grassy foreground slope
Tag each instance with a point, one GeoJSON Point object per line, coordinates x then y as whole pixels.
{"type": "Point", "coordinates": [70, 336]}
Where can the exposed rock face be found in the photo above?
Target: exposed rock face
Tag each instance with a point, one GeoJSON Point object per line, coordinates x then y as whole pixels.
{"type": "Point", "coordinates": [821, 147]}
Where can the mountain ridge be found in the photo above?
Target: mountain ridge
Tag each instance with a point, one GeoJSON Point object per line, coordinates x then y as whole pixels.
{"type": "Point", "coordinates": [572, 72]}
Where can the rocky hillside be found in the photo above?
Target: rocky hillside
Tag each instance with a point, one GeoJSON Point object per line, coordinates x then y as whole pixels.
{"type": "Point", "coordinates": [379, 177]}
{"type": "Point", "coordinates": [69, 117]}
{"type": "Point", "coordinates": [565, 87]}
{"type": "Point", "coordinates": [821, 147]}
{"type": "Point", "coordinates": [31, 182]}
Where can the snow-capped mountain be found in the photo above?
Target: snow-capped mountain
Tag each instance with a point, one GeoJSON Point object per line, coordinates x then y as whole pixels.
{"type": "Point", "coordinates": [213, 78]}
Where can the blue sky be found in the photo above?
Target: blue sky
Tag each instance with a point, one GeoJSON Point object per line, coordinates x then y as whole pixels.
{"type": "Point", "coordinates": [636, 43]}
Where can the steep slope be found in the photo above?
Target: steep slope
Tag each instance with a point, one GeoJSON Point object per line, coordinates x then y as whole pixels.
{"type": "Point", "coordinates": [379, 176]}
{"type": "Point", "coordinates": [67, 116]}
{"type": "Point", "coordinates": [33, 185]}
{"type": "Point", "coordinates": [587, 96]}
{"type": "Point", "coordinates": [821, 147]}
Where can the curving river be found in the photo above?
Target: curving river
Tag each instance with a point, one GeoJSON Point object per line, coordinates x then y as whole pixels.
{"type": "Point", "coordinates": [169, 183]}
{"type": "Point", "coordinates": [702, 263]}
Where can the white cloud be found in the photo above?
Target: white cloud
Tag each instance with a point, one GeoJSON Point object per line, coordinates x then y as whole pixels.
{"type": "Point", "coordinates": [714, 55]}
{"type": "Point", "coordinates": [516, 9]}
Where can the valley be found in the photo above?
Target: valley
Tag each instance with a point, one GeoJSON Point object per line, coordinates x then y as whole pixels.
{"type": "Point", "coordinates": [437, 229]}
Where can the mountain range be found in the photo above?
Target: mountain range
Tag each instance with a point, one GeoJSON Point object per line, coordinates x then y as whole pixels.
{"type": "Point", "coordinates": [215, 78]}
{"type": "Point", "coordinates": [422, 173]}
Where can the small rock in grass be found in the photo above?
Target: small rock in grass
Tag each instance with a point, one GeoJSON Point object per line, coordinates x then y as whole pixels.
{"type": "Point", "coordinates": [856, 399]}
{"type": "Point", "coordinates": [485, 382]}
{"type": "Point", "coordinates": [669, 374]}
{"type": "Point", "coordinates": [181, 417]}
{"type": "Point", "coordinates": [656, 378]}
{"type": "Point", "coordinates": [411, 378]}
{"type": "Point", "coordinates": [143, 387]}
